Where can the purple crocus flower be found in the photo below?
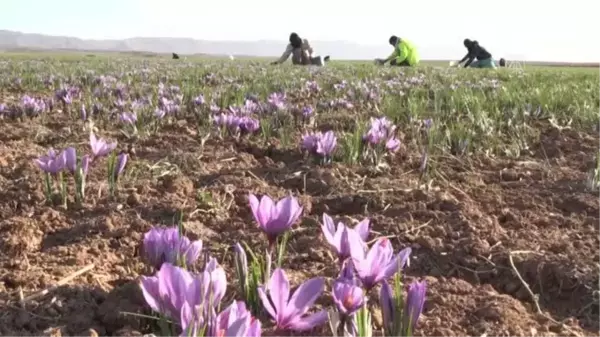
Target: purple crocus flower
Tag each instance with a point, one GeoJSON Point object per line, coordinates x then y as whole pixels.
{"type": "Point", "coordinates": [83, 112]}
{"type": "Point", "coordinates": [347, 297]}
{"type": "Point", "coordinates": [347, 272]}
{"type": "Point", "coordinates": [121, 162]}
{"type": "Point", "coordinates": [85, 164]}
{"type": "Point", "coordinates": [389, 312]}
{"type": "Point", "coordinates": [32, 106]}
{"type": "Point", "coordinates": [236, 320]}
{"type": "Point", "coordinates": [250, 107]}
{"type": "Point", "coordinates": [274, 218]}
{"type": "Point", "coordinates": [63, 95]}
{"type": "Point", "coordinates": [199, 100]}
{"type": "Point", "coordinates": [307, 111]}
{"type": "Point", "coordinates": [248, 124]}
{"type": "Point", "coordinates": [228, 120]}
{"type": "Point", "coordinates": [70, 155]}
{"type": "Point", "coordinates": [415, 300]}
{"type": "Point", "coordinates": [392, 144]}
{"type": "Point", "coordinates": [100, 147]}
{"type": "Point", "coordinates": [159, 113]}
{"type": "Point", "coordinates": [391, 309]}
{"type": "Point", "coordinates": [128, 117]}
{"type": "Point", "coordinates": [218, 282]}
{"type": "Point", "coordinates": [343, 239]}
{"type": "Point", "coordinates": [171, 289]}
{"type": "Point", "coordinates": [379, 263]}
{"type": "Point", "coordinates": [277, 100]}
{"type": "Point", "coordinates": [165, 245]}
{"type": "Point", "coordinates": [309, 142]}
{"type": "Point", "coordinates": [382, 130]}
{"type": "Point", "coordinates": [326, 144]}
{"type": "Point", "coordinates": [288, 312]}
{"type": "Point", "coordinates": [51, 163]}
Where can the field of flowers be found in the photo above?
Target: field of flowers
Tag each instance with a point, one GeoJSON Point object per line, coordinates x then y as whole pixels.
{"type": "Point", "coordinates": [241, 199]}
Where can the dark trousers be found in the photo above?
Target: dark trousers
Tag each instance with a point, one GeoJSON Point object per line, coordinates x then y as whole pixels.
{"type": "Point", "coordinates": [404, 63]}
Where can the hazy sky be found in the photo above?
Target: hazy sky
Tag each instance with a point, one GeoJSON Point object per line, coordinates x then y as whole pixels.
{"type": "Point", "coordinates": [515, 29]}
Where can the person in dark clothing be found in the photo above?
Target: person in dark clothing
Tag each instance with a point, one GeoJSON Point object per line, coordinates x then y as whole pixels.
{"type": "Point", "coordinates": [175, 56]}
{"type": "Point", "coordinates": [475, 51]}
{"type": "Point", "coordinates": [301, 52]}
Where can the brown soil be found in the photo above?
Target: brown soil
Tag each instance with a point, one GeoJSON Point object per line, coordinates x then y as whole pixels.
{"type": "Point", "coordinates": [462, 229]}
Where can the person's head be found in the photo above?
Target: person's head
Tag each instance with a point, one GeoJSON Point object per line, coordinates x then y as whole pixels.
{"type": "Point", "coordinates": [502, 62]}
{"type": "Point", "coordinates": [468, 43]}
{"type": "Point", "coordinates": [394, 40]}
{"type": "Point", "coordinates": [295, 40]}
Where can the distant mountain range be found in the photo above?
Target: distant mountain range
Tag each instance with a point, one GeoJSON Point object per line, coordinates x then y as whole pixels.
{"type": "Point", "coordinates": [15, 41]}
{"type": "Point", "coordinates": [340, 50]}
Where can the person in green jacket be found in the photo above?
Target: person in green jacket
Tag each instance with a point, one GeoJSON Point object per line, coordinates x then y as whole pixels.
{"type": "Point", "coordinates": [405, 53]}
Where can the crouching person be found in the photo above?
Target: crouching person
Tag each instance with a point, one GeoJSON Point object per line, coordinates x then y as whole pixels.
{"type": "Point", "coordinates": [405, 53]}
{"type": "Point", "coordinates": [301, 52]}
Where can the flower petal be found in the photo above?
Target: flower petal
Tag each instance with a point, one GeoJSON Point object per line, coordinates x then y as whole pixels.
{"type": "Point", "coordinates": [149, 287]}
{"type": "Point", "coordinates": [309, 322]}
{"type": "Point", "coordinates": [304, 297]}
{"type": "Point", "coordinates": [362, 228]}
{"type": "Point", "coordinates": [266, 303]}
{"type": "Point", "coordinates": [279, 290]}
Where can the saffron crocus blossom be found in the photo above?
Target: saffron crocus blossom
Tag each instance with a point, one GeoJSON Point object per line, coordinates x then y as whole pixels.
{"type": "Point", "coordinates": [347, 272]}
{"type": "Point", "coordinates": [288, 312]}
{"type": "Point", "coordinates": [248, 124]}
{"type": "Point", "coordinates": [343, 239]}
{"type": "Point", "coordinates": [319, 143]}
{"type": "Point", "coordinates": [85, 164]}
{"type": "Point", "coordinates": [70, 155]}
{"type": "Point", "coordinates": [166, 245]}
{"type": "Point", "coordinates": [121, 162]}
{"type": "Point", "coordinates": [171, 288]}
{"type": "Point", "coordinates": [236, 320]}
{"type": "Point", "coordinates": [274, 218]}
{"type": "Point", "coordinates": [382, 131]}
{"type": "Point", "coordinates": [51, 163]}
{"type": "Point", "coordinates": [379, 263]}
{"type": "Point", "coordinates": [415, 300]}
{"type": "Point", "coordinates": [128, 117]}
{"type": "Point", "coordinates": [218, 282]}
{"type": "Point", "coordinates": [392, 144]}
{"type": "Point", "coordinates": [199, 100]}
{"type": "Point", "coordinates": [277, 100]}
{"type": "Point", "coordinates": [347, 297]}
{"type": "Point", "coordinates": [391, 309]}
{"type": "Point", "coordinates": [100, 147]}
{"type": "Point", "coordinates": [309, 142]}
{"type": "Point", "coordinates": [326, 144]}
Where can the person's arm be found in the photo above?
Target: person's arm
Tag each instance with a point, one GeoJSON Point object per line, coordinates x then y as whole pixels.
{"type": "Point", "coordinates": [286, 54]}
{"type": "Point", "coordinates": [472, 53]}
{"type": "Point", "coordinates": [464, 58]}
{"type": "Point", "coordinates": [391, 57]}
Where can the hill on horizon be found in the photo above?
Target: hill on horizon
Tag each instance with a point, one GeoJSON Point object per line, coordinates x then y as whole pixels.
{"type": "Point", "coordinates": [15, 41]}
